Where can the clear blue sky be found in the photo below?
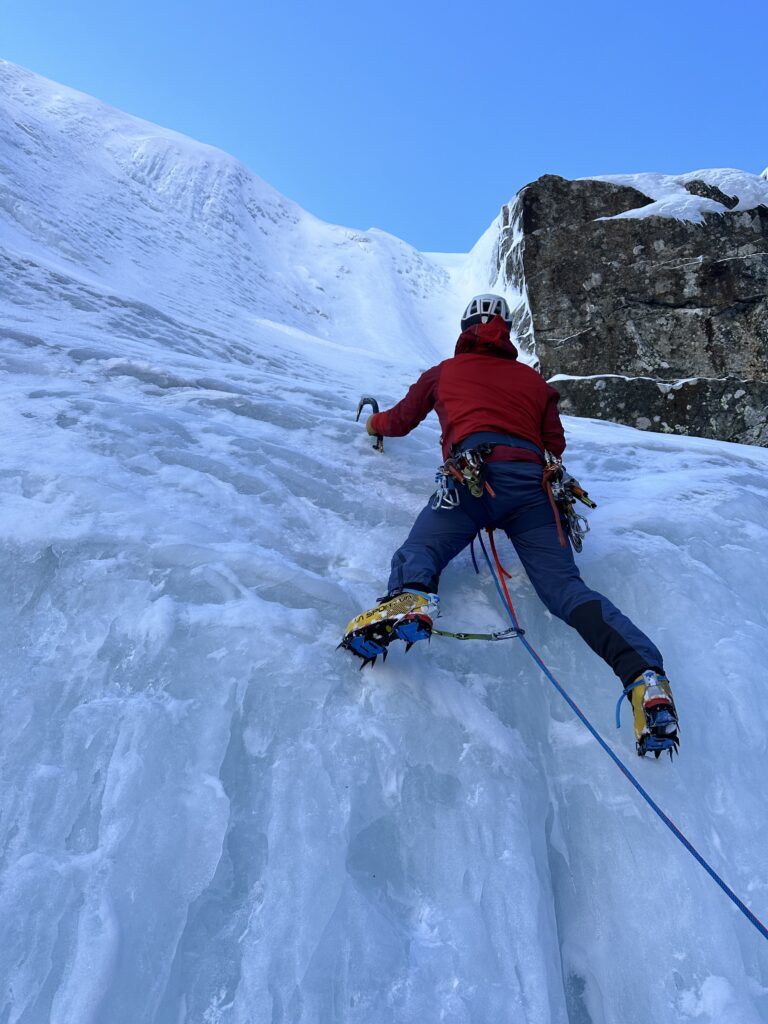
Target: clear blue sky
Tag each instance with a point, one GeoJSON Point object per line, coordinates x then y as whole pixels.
{"type": "Point", "coordinates": [420, 117]}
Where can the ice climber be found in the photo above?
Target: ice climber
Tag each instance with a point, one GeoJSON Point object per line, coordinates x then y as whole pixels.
{"type": "Point", "coordinates": [500, 430]}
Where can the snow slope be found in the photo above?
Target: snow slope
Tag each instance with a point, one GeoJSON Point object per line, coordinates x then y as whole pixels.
{"type": "Point", "coordinates": [207, 813]}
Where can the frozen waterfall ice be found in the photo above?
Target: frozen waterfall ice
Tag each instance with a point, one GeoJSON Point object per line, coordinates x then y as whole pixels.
{"type": "Point", "coordinates": [207, 814]}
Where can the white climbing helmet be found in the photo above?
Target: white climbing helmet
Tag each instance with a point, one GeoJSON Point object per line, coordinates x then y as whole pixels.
{"type": "Point", "coordinates": [483, 308]}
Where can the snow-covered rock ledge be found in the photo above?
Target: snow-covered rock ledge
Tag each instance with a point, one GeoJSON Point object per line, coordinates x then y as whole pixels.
{"type": "Point", "coordinates": [649, 275]}
{"type": "Point", "coordinates": [717, 407]}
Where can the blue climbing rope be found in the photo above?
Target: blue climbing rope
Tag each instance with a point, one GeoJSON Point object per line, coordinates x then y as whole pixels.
{"type": "Point", "coordinates": [620, 764]}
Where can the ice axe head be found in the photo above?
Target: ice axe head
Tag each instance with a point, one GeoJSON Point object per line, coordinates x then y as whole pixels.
{"type": "Point", "coordinates": [378, 444]}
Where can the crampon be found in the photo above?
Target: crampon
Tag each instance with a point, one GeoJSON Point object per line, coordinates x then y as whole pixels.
{"type": "Point", "coordinates": [373, 640]}
{"type": "Point", "coordinates": [655, 716]}
{"type": "Point", "coordinates": [661, 732]}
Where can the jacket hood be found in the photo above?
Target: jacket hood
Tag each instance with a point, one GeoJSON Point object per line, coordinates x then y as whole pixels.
{"type": "Point", "coordinates": [490, 339]}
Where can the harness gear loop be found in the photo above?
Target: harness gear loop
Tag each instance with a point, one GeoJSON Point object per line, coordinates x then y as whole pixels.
{"type": "Point", "coordinates": [465, 467]}
{"type": "Point", "coordinates": [553, 470]}
{"type": "Point", "coordinates": [564, 491]}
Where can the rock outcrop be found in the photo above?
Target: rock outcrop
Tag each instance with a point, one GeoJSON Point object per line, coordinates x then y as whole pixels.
{"type": "Point", "coordinates": [622, 295]}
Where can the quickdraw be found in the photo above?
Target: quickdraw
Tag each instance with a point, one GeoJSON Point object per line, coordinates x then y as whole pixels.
{"type": "Point", "coordinates": [502, 634]}
{"type": "Point", "coordinates": [466, 468]}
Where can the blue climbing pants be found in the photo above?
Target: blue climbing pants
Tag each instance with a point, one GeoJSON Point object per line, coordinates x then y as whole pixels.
{"type": "Point", "coordinates": [522, 510]}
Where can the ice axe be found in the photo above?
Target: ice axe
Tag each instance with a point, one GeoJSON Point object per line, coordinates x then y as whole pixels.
{"type": "Point", "coordinates": [378, 444]}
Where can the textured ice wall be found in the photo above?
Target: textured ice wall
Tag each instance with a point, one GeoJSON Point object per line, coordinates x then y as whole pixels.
{"type": "Point", "coordinates": [207, 813]}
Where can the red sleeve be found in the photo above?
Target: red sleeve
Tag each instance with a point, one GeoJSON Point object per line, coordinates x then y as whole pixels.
{"type": "Point", "coordinates": [552, 431]}
{"type": "Point", "coordinates": [407, 414]}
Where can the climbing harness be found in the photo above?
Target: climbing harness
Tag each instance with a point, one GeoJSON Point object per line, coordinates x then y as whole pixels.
{"type": "Point", "coordinates": [467, 466]}
{"type": "Point", "coordinates": [497, 575]}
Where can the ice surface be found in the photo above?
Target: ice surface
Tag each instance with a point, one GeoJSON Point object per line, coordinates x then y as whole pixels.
{"type": "Point", "coordinates": [208, 814]}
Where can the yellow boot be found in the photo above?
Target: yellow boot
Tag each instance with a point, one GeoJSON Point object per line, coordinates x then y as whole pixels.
{"type": "Point", "coordinates": [655, 714]}
{"type": "Point", "coordinates": [402, 617]}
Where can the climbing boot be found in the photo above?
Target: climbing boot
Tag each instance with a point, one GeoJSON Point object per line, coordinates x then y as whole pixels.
{"type": "Point", "coordinates": [655, 715]}
{"type": "Point", "coordinates": [401, 617]}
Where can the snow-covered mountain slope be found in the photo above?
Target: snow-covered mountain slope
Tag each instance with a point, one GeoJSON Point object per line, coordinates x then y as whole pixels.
{"type": "Point", "coordinates": [207, 813]}
{"type": "Point", "coordinates": [149, 232]}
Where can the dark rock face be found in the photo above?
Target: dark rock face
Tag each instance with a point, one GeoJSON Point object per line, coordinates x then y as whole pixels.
{"type": "Point", "coordinates": [574, 202]}
{"type": "Point", "coordinates": [701, 188]}
{"type": "Point", "coordinates": [643, 297]}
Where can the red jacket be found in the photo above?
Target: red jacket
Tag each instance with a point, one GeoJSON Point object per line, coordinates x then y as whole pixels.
{"type": "Point", "coordinates": [482, 387]}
